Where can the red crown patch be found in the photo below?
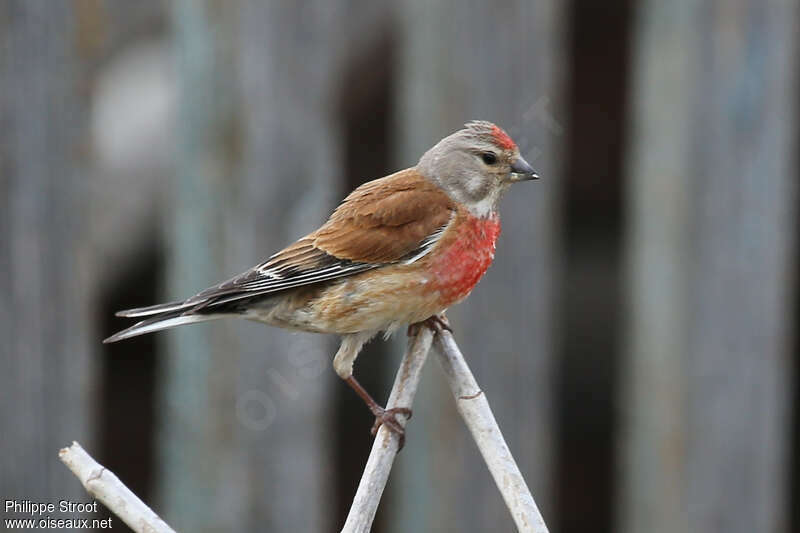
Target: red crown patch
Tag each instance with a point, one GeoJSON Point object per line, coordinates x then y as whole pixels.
{"type": "Point", "coordinates": [502, 139]}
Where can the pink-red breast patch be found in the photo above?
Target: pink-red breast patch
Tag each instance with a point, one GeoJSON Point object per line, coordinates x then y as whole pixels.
{"type": "Point", "coordinates": [502, 139]}
{"type": "Point", "coordinates": [463, 262]}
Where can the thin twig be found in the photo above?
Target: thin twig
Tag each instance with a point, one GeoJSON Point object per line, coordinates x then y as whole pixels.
{"type": "Point", "coordinates": [474, 408]}
{"type": "Point", "coordinates": [385, 447]}
{"type": "Point", "coordinates": [103, 485]}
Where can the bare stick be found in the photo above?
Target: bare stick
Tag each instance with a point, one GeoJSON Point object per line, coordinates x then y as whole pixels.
{"type": "Point", "coordinates": [103, 485]}
{"type": "Point", "coordinates": [477, 414]}
{"type": "Point", "coordinates": [385, 447]}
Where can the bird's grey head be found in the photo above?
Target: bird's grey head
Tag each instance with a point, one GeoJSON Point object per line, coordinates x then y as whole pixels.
{"type": "Point", "coordinates": [475, 166]}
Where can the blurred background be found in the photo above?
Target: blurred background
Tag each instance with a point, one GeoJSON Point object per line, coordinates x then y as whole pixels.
{"type": "Point", "coordinates": [636, 336]}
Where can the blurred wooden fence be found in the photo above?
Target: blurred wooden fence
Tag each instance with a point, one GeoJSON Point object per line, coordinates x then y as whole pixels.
{"type": "Point", "coordinates": [712, 222]}
{"type": "Point", "coordinates": [146, 144]}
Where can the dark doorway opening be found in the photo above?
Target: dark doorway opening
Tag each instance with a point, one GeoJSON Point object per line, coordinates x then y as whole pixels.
{"type": "Point", "coordinates": [126, 396]}
{"type": "Point", "coordinates": [592, 290]}
{"type": "Point", "coordinates": [366, 110]}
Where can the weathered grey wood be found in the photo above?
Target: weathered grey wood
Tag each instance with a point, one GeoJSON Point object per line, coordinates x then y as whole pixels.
{"type": "Point", "coordinates": [453, 70]}
{"type": "Point", "coordinates": [245, 425]}
{"type": "Point", "coordinates": [713, 185]}
{"type": "Point", "coordinates": [745, 217]}
{"type": "Point", "coordinates": [258, 167]}
{"type": "Point", "coordinates": [286, 60]}
{"type": "Point", "coordinates": [653, 401]}
{"type": "Point", "coordinates": [47, 373]}
{"type": "Point", "coordinates": [195, 443]}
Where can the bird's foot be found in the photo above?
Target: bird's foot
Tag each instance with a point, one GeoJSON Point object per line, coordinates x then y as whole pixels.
{"type": "Point", "coordinates": [383, 417]}
{"type": "Point", "coordinates": [387, 417]}
{"type": "Point", "coordinates": [436, 323]}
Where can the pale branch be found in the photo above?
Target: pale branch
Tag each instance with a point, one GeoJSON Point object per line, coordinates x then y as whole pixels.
{"type": "Point", "coordinates": [386, 445]}
{"type": "Point", "coordinates": [106, 487]}
{"type": "Point", "coordinates": [471, 402]}
{"type": "Point", "coordinates": [474, 408]}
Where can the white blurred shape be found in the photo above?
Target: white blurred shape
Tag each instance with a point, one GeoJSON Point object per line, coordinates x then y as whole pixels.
{"type": "Point", "coordinates": [132, 112]}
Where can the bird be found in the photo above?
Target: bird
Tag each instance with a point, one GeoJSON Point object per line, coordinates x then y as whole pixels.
{"type": "Point", "coordinates": [398, 251]}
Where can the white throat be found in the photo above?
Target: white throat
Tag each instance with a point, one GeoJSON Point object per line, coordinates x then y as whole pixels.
{"type": "Point", "coordinates": [487, 205]}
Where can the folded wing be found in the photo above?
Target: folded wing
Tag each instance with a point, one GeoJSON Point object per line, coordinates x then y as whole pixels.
{"type": "Point", "coordinates": [387, 221]}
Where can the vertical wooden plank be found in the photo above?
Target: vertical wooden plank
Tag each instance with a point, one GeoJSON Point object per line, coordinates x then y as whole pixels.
{"type": "Point", "coordinates": [744, 164]}
{"type": "Point", "coordinates": [288, 58]}
{"type": "Point", "coordinates": [266, 444]}
{"type": "Point", "coordinates": [194, 431]}
{"type": "Point", "coordinates": [712, 192]}
{"type": "Point", "coordinates": [653, 383]}
{"type": "Point", "coordinates": [46, 378]}
{"type": "Point", "coordinates": [497, 62]}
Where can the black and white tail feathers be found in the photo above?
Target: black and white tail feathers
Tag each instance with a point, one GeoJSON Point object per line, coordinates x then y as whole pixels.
{"type": "Point", "coordinates": [158, 309]}
{"type": "Point", "coordinates": [159, 321]}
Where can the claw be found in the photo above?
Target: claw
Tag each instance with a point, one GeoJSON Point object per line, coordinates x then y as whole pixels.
{"type": "Point", "coordinates": [387, 417]}
{"type": "Point", "coordinates": [436, 323]}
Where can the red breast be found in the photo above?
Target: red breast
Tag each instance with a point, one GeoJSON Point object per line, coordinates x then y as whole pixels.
{"type": "Point", "coordinates": [465, 256]}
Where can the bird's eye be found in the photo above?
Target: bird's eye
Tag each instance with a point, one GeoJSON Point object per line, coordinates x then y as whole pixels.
{"type": "Point", "coordinates": [489, 158]}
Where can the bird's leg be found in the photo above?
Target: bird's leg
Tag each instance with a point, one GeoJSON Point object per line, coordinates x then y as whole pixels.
{"type": "Point", "coordinates": [383, 416]}
{"type": "Point", "coordinates": [434, 322]}
{"type": "Point", "coordinates": [343, 364]}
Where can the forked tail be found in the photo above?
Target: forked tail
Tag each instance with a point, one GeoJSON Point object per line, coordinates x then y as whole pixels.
{"type": "Point", "coordinates": [161, 321]}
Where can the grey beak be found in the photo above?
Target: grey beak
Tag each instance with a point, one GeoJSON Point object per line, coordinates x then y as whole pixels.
{"type": "Point", "coordinates": [523, 170]}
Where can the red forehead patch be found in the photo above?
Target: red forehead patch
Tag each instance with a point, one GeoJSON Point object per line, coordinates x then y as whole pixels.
{"type": "Point", "coordinates": [502, 139]}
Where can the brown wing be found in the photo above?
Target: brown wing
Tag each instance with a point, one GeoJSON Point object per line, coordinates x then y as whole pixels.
{"type": "Point", "coordinates": [386, 220]}
{"type": "Point", "coordinates": [390, 220]}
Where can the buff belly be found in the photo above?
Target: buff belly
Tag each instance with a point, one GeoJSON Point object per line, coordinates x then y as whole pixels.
{"type": "Point", "coordinates": [380, 300]}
